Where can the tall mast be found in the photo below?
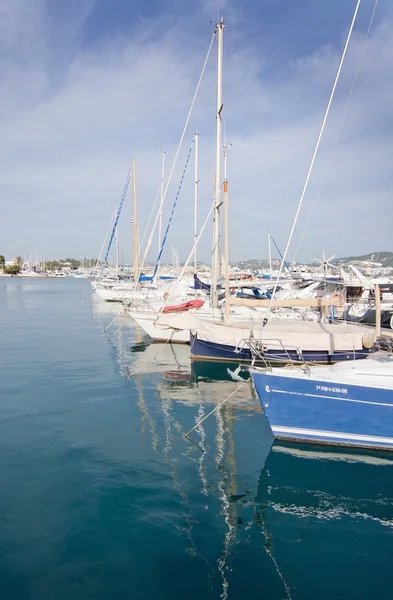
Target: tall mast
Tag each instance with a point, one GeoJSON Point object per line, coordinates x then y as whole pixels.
{"type": "Point", "coordinates": [377, 311]}
{"type": "Point", "coordinates": [226, 240]}
{"type": "Point", "coordinates": [196, 138]}
{"type": "Point", "coordinates": [135, 223]}
{"type": "Point", "coordinates": [117, 248]}
{"type": "Point", "coordinates": [269, 245]}
{"type": "Point", "coordinates": [161, 199]}
{"type": "Point", "coordinates": [216, 215]}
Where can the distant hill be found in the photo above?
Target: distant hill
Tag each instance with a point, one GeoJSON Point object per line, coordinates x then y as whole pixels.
{"type": "Point", "coordinates": [254, 264]}
{"type": "Point", "coordinates": [385, 258]}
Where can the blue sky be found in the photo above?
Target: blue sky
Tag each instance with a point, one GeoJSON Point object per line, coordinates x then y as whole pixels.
{"type": "Point", "coordinates": [88, 84]}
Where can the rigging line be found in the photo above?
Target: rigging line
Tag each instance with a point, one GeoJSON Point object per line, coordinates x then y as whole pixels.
{"type": "Point", "coordinates": [181, 274]}
{"type": "Point", "coordinates": [125, 188]}
{"type": "Point", "coordinates": [103, 244]}
{"type": "Point", "coordinates": [172, 212]}
{"type": "Point", "coordinates": [339, 130]}
{"type": "Point", "coordinates": [322, 128]}
{"type": "Point", "coordinates": [183, 269]}
{"type": "Point", "coordinates": [150, 241]}
{"type": "Point", "coordinates": [146, 230]}
{"type": "Point", "coordinates": [150, 218]}
{"type": "Point", "coordinates": [278, 250]}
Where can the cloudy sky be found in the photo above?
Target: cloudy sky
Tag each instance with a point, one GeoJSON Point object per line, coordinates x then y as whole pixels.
{"type": "Point", "coordinates": [88, 84]}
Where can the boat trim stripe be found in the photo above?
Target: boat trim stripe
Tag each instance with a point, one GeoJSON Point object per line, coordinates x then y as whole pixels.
{"type": "Point", "coordinates": [332, 434]}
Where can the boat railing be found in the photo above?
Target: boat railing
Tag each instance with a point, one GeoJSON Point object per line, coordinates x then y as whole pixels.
{"type": "Point", "coordinates": [284, 356]}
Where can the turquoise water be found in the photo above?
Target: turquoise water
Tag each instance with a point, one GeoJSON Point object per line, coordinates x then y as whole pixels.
{"type": "Point", "coordinates": [103, 498]}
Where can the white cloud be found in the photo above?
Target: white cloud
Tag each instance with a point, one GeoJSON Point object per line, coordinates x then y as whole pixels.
{"type": "Point", "coordinates": [68, 135]}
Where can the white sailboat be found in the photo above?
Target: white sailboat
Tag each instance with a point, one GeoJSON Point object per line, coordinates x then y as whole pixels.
{"type": "Point", "coordinates": [149, 316]}
{"type": "Point", "coordinates": [315, 342]}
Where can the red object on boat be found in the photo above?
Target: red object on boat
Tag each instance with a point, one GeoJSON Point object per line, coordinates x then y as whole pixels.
{"type": "Point", "coordinates": [182, 307]}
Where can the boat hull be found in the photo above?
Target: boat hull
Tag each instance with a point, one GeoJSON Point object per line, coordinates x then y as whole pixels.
{"type": "Point", "coordinates": [318, 411]}
{"type": "Point", "coordinates": [205, 350]}
{"type": "Point", "coordinates": [368, 317]}
{"type": "Point", "coordinates": [161, 334]}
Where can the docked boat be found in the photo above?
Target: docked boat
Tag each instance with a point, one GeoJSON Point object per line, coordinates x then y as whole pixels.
{"type": "Point", "coordinates": [349, 404]}
{"type": "Point", "coordinates": [362, 310]}
{"type": "Point", "coordinates": [281, 341]}
{"type": "Point", "coordinates": [155, 323]}
{"type": "Point", "coordinates": [367, 314]}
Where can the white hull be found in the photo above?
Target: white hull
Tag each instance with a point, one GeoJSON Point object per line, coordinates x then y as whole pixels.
{"type": "Point", "coordinates": [157, 325]}
{"type": "Point", "coordinates": [112, 295]}
{"type": "Point", "coordinates": [161, 333]}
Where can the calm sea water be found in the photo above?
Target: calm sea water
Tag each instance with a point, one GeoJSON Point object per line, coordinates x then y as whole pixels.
{"type": "Point", "coordinates": [102, 497]}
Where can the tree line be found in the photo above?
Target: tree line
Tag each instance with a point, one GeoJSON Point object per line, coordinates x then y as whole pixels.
{"type": "Point", "coordinates": [13, 269]}
{"type": "Point", "coordinates": [50, 265]}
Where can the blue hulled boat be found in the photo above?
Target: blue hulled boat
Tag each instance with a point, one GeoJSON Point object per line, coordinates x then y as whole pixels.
{"type": "Point", "coordinates": [349, 404]}
{"type": "Point", "coordinates": [207, 350]}
{"type": "Point", "coordinates": [281, 341]}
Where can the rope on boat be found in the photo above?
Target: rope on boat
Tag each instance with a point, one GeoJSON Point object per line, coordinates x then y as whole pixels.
{"type": "Point", "coordinates": [123, 196]}
{"type": "Point", "coordinates": [187, 262]}
{"type": "Point", "coordinates": [172, 212]}
{"type": "Point", "coordinates": [148, 222]}
{"type": "Point", "coordinates": [214, 409]}
{"type": "Point", "coordinates": [279, 252]}
{"type": "Point", "coordinates": [338, 131]}
{"type": "Point", "coordinates": [103, 246]}
{"type": "Point", "coordinates": [150, 240]}
{"type": "Point", "coordinates": [181, 275]}
{"type": "Point", "coordinates": [305, 186]}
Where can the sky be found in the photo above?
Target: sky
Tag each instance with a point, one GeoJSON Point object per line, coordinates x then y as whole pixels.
{"type": "Point", "coordinates": [87, 85]}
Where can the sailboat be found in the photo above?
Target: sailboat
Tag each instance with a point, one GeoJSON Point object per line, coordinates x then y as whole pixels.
{"type": "Point", "coordinates": [210, 309]}
{"type": "Point", "coordinates": [122, 288]}
{"type": "Point", "coordinates": [349, 404]}
{"type": "Point", "coordinates": [324, 342]}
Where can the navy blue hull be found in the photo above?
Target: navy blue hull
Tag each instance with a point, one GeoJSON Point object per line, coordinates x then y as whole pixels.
{"type": "Point", "coordinates": [203, 350]}
{"type": "Point", "coordinates": [322, 412]}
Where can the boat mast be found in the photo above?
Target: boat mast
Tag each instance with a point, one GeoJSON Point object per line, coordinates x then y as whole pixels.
{"type": "Point", "coordinates": [117, 248]}
{"type": "Point", "coordinates": [135, 223]}
{"type": "Point", "coordinates": [226, 240]}
{"type": "Point", "coordinates": [377, 311]}
{"type": "Point", "coordinates": [217, 185]}
{"type": "Point", "coordinates": [196, 139]}
{"type": "Point", "coordinates": [269, 245]}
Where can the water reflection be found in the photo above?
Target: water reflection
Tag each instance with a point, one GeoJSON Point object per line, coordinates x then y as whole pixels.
{"type": "Point", "coordinates": [327, 520]}
{"type": "Point", "coordinates": [176, 385]}
{"type": "Point", "coordinates": [287, 523]}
